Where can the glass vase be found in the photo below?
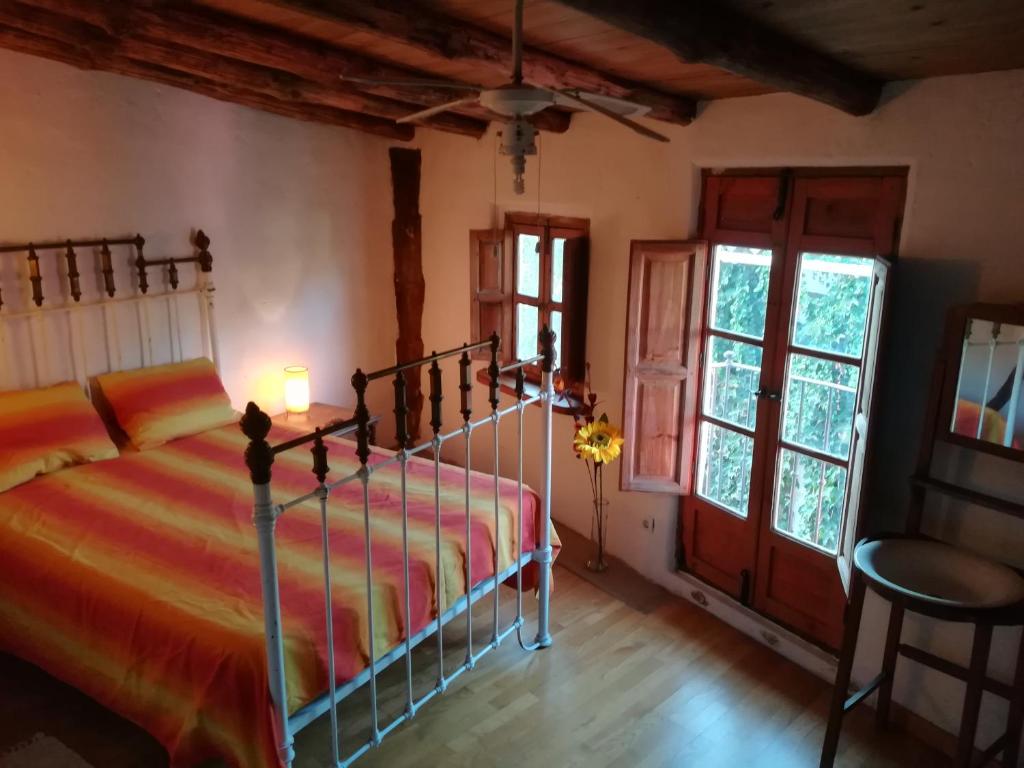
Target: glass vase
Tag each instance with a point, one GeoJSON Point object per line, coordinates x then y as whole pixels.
{"type": "Point", "coordinates": [598, 532]}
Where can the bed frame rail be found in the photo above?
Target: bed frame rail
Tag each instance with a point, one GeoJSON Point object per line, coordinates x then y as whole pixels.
{"type": "Point", "coordinates": [259, 457]}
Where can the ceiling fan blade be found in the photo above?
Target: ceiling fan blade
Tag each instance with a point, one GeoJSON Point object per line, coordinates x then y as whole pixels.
{"type": "Point", "coordinates": [622, 107]}
{"type": "Point", "coordinates": [425, 113]}
{"type": "Point", "coordinates": [412, 82]}
{"type": "Point", "coordinates": [575, 98]}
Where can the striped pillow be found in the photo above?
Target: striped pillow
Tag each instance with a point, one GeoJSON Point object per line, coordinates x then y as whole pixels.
{"type": "Point", "coordinates": [43, 430]}
{"type": "Point", "coordinates": [154, 405]}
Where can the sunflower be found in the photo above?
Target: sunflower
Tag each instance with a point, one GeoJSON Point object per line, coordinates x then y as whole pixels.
{"type": "Point", "coordinates": [599, 441]}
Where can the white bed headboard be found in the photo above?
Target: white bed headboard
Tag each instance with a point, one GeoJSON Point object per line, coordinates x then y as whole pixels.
{"type": "Point", "coordinates": [74, 309]}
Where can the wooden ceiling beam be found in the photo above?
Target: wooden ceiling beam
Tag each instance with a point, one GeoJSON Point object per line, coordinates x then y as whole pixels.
{"type": "Point", "coordinates": [84, 57]}
{"type": "Point", "coordinates": [712, 33]}
{"type": "Point", "coordinates": [237, 39]}
{"type": "Point", "coordinates": [456, 40]}
{"type": "Point", "coordinates": [281, 86]}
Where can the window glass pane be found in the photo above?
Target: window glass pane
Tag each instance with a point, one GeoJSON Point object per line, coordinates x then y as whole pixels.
{"type": "Point", "coordinates": [819, 405]}
{"type": "Point", "coordinates": [528, 265]}
{"type": "Point", "coordinates": [723, 467]}
{"type": "Point", "coordinates": [527, 317]}
{"type": "Point", "coordinates": [832, 303]}
{"type": "Point", "coordinates": [557, 252]}
{"type": "Point", "coordinates": [809, 499]}
{"type": "Point", "coordinates": [731, 377]}
{"type": "Point", "coordinates": [739, 289]}
{"type": "Point", "coordinates": [556, 326]}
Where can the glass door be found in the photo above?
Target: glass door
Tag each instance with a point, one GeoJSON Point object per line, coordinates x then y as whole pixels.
{"type": "Point", "coordinates": [791, 329]}
{"type": "Point", "coordinates": [823, 372]}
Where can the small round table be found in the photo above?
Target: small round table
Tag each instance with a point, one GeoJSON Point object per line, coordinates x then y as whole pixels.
{"type": "Point", "coordinates": [944, 582]}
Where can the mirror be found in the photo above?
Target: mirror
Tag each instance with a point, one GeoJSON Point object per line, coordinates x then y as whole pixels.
{"type": "Point", "coordinates": [988, 405]}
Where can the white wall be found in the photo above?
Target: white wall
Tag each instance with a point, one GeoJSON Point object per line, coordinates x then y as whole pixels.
{"type": "Point", "coordinates": [298, 214]}
{"type": "Point", "coordinates": [961, 138]}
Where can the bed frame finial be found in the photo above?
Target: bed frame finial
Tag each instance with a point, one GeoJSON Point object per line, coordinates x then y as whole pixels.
{"type": "Point", "coordinates": [465, 387]}
{"type": "Point", "coordinates": [34, 276]}
{"type": "Point", "coordinates": [140, 263]}
{"type": "Point", "coordinates": [362, 414]}
{"type": "Point", "coordinates": [436, 396]}
{"type": "Point", "coordinates": [401, 411]}
{"type": "Point", "coordinates": [547, 348]}
{"type": "Point", "coordinates": [319, 451]}
{"type": "Point", "coordinates": [107, 268]}
{"type": "Point", "coordinates": [259, 456]}
{"type": "Point", "coordinates": [74, 281]}
{"type": "Point", "coordinates": [493, 372]}
{"type": "Point", "coordinates": [202, 242]}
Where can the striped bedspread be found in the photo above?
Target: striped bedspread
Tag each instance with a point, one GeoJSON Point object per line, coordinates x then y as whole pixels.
{"type": "Point", "coordinates": [137, 581]}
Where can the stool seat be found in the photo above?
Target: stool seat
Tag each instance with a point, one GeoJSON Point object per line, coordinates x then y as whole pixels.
{"type": "Point", "coordinates": [938, 573]}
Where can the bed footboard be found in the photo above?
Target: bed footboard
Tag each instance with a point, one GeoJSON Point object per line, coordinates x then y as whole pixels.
{"type": "Point", "coordinates": [259, 457]}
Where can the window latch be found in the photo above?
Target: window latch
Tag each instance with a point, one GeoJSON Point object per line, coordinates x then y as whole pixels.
{"type": "Point", "coordinates": [767, 394]}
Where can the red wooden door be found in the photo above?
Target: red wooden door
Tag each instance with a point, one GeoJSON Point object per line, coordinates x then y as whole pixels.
{"type": "Point", "coordinates": [744, 221]}
{"type": "Point", "coordinates": [827, 336]}
{"type": "Point", "coordinates": [786, 379]}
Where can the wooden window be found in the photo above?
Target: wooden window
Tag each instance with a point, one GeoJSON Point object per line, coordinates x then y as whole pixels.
{"type": "Point", "coordinates": [787, 333]}
{"type": "Point", "coordinates": [533, 273]}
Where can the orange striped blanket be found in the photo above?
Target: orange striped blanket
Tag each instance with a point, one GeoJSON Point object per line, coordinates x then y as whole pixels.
{"type": "Point", "coordinates": [137, 581]}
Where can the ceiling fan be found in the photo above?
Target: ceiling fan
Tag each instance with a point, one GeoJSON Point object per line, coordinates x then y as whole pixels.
{"type": "Point", "coordinates": [519, 100]}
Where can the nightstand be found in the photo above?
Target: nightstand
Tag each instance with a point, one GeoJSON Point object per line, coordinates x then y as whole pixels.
{"type": "Point", "coordinates": [320, 415]}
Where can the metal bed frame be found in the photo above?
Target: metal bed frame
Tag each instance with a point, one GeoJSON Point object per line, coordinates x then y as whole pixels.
{"type": "Point", "coordinates": [259, 457]}
{"type": "Point", "coordinates": [37, 310]}
{"type": "Point", "coordinates": [52, 361]}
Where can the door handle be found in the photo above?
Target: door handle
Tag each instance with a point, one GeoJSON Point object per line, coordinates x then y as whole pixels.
{"type": "Point", "coordinates": [767, 394]}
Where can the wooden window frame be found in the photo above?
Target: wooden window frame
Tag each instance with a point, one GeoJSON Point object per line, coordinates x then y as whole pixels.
{"type": "Point", "coordinates": [547, 228]}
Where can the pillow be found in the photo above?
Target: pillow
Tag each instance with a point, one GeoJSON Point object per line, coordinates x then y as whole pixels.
{"type": "Point", "coordinates": [154, 405]}
{"type": "Point", "coordinates": [43, 430]}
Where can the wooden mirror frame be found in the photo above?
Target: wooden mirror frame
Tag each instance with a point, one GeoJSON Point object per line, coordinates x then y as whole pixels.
{"type": "Point", "coordinates": [956, 326]}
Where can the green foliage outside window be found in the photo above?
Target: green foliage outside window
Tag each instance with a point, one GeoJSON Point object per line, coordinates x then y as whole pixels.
{"type": "Point", "coordinates": [830, 316]}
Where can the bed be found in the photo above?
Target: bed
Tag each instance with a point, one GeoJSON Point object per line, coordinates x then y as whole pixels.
{"type": "Point", "coordinates": [141, 581]}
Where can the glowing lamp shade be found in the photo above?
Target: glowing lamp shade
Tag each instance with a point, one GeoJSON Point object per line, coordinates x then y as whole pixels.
{"type": "Point", "coordinates": [296, 389]}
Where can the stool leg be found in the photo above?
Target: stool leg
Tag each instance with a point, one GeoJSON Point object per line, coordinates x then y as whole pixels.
{"type": "Point", "coordinates": [972, 699]}
{"type": "Point", "coordinates": [1011, 753]}
{"type": "Point", "coordinates": [892, 642]}
{"type": "Point", "coordinates": [842, 684]}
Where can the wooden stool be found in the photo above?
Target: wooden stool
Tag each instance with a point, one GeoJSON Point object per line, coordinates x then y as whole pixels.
{"type": "Point", "coordinates": [944, 582]}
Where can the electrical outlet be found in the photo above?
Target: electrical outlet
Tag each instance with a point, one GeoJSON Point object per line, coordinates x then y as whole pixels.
{"type": "Point", "coordinates": [649, 524]}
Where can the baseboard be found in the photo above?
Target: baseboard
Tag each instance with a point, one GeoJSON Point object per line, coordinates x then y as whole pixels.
{"type": "Point", "coordinates": [784, 642]}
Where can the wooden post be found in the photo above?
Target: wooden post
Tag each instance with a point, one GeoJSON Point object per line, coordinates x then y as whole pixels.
{"type": "Point", "coordinates": [409, 283]}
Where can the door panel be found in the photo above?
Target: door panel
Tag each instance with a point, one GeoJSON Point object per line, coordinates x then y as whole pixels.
{"type": "Point", "coordinates": [798, 590]}
{"type": "Point", "coordinates": [659, 410]}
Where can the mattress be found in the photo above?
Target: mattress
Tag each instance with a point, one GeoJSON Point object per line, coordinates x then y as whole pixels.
{"type": "Point", "coordinates": [137, 581]}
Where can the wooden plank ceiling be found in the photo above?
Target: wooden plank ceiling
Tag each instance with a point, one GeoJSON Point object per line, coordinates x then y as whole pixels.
{"type": "Point", "coordinates": [285, 56]}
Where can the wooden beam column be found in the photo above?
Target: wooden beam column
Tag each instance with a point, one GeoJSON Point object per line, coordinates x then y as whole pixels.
{"type": "Point", "coordinates": [410, 286]}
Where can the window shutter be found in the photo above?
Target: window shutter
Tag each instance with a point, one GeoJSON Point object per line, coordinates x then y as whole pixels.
{"type": "Point", "coordinates": [662, 347]}
{"type": "Point", "coordinates": [490, 277]}
{"type": "Point", "coordinates": [576, 269]}
{"type": "Point", "coordinates": [855, 490]}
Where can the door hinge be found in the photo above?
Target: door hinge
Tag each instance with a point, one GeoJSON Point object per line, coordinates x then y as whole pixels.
{"type": "Point", "coordinates": [745, 587]}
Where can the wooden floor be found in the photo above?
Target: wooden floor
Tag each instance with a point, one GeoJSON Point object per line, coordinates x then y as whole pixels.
{"type": "Point", "coordinates": [670, 687]}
